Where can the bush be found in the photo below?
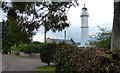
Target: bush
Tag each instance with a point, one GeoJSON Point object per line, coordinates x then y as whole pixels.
{"type": "Point", "coordinates": [47, 52]}
{"type": "Point", "coordinates": [66, 58]}
{"type": "Point", "coordinates": [101, 39]}
{"type": "Point", "coordinates": [15, 48]}
{"type": "Point", "coordinates": [7, 42]}
{"type": "Point", "coordinates": [5, 50]}
{"type": "Point", "coordinates": [72, 59]}
{"type": "Point", "coordinates": [98, 61]}
{"type": "Point", "coordinates": [31, 48]}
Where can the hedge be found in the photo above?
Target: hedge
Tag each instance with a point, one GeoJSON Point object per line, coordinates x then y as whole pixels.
{"type": "Point", "coordinates": [32, 48]}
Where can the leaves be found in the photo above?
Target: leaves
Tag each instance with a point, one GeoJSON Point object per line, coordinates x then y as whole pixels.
{"type": "Point", "coordinates": [102, 39]}
{"type": "Point", "coordinates": [47, 52]}
{"type": "Point", "coordinates": [25, 18]}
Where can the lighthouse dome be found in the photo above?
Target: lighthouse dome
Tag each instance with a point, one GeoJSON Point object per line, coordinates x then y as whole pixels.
{"type": "Point", "coordinates": [84, 8]}
{"type": "Point", "coordinates": [84, 12]}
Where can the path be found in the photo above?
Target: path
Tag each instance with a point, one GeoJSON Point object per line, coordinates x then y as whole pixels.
{"type": "Point", "coordinates": [10, 63]}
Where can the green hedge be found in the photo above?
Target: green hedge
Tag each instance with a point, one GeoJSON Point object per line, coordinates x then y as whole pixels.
{"type": "Point", "coordinates": [32, 48]}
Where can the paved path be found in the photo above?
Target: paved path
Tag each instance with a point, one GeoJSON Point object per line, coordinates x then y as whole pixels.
{"type": "Point", "coordinates": [10, 63]}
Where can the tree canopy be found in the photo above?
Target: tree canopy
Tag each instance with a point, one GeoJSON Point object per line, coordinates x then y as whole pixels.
{"type": "Point", "coordinates": [24, 18]}
{"type": "Point", "coordinates": [102, 39]}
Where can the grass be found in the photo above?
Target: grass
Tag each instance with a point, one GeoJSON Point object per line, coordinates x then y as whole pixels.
{"type": "Point", "coordinates": [45, 69]}
{"type": "Point", "coordinates": [18, 56]}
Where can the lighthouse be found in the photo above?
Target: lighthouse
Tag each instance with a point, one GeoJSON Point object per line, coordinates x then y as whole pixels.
{"type": "Point", "coordinates": [84, 27]}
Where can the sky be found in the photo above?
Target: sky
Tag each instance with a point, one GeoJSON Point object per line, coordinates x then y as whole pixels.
{"type": "Point", "coordinates": [100, 14]}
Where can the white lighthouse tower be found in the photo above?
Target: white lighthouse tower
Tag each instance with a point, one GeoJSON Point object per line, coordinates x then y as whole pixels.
{"type": "Point", "coordinates": [84, 27]}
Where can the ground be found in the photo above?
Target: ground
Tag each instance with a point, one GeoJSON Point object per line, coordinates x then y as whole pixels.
{"type": "Point", "coordinates": [11, 63]}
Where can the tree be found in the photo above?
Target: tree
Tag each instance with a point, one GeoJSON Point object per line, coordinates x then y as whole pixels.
{"type": "Point", "coordinates": [102, 39]}
{"type": "Point", "coordinates": [54, 17]}
{"type": "Point", "coordinates": [115, 42]}
{"type": "Point", "coordinates": [7, 41]}
{"type": "Point", "coordinates": [15, 30]}
{"type": "Point", "coordinates": [27, 19]}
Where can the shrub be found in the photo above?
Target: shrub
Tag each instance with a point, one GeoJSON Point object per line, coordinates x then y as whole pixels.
{"type": "Point", "coordinates": [31, 48]}
{"type": "Point", "coordinates": [18, 47]}
{"type": "Point", "coordinates": [36, 42]}
{"type": "Point", "coordinates": [47, 52]}
{"type": "Point", "coordinates": [71, 59]}
{"type": "Point", "coordinates": [102, 39]}
{"type": "Point", "coordinates": [66, 58]}
{"type": "Point", "coordinates": [15, 48]}
{"type": "Point", "coordinates": [98, 60]}
{"type": "Point", "coordinates": [5, 50]}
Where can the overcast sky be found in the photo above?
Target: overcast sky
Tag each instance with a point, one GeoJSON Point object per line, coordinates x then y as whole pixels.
{"type": "Point", "coordinates": [100, 14]}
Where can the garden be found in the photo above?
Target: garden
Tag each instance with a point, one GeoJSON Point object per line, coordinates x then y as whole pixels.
{"type": "Point", "coordinates": [64, 57]}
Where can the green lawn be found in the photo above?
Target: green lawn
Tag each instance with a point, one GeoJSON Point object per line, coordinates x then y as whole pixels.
{"type": "Point", "coordinates": [18, 56]}
{"type": "Point", "coordinates": [46, 69]}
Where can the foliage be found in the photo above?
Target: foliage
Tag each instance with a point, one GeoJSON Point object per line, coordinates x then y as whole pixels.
{"type": "Point", "coordinates": [28, 48]}
{"type": "Point", "coordinates": [4, 28]}
{"type": "Point", "coordinates": [36, 42]}
{"type": "Point", "coordinates": [54, 15]}
{"type": "Point", "coordinates": [5, 50]}
{"type": "Point", "coordinates": [7, 41]}
{"type": "Point", "coordinates": [26, 17]}
{"type": "Point", "coordinates": [102, 39]}
{"type": "Point", "coordinates": [15, 48]}
{"type": "Point", "coordinates": [14, 10]}
{"type": "Point", "coordinates": [22, 36]}
{"type": "Point", "coordinates": [47, 52]}
{"type": "Point", "coordinates": [32, 48]}
{"type": "Point", "coordinates": [66, 58]}
{"type": "Point", "coordinates": [87, 60]}
{"type": "Point", "coordinates": [72, 59]}
{"type": "Point", "coordinates": [99, 60]}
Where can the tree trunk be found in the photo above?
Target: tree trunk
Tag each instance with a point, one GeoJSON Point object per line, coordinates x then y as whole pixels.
{"type": "Point", "coordinates": [115, 42]}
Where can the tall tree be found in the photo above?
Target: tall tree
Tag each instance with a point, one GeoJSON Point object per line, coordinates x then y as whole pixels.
{"type": "Point", "coordinates": [14, 29]}
{"type": "Point", "coordinates": [27, 18]}
{"type": "Point", "coordinates": [54, 17]}
{"type": "Point", "coordinates": [115, 42]}
{"type": "Point", "coordinates": [7, 41]}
